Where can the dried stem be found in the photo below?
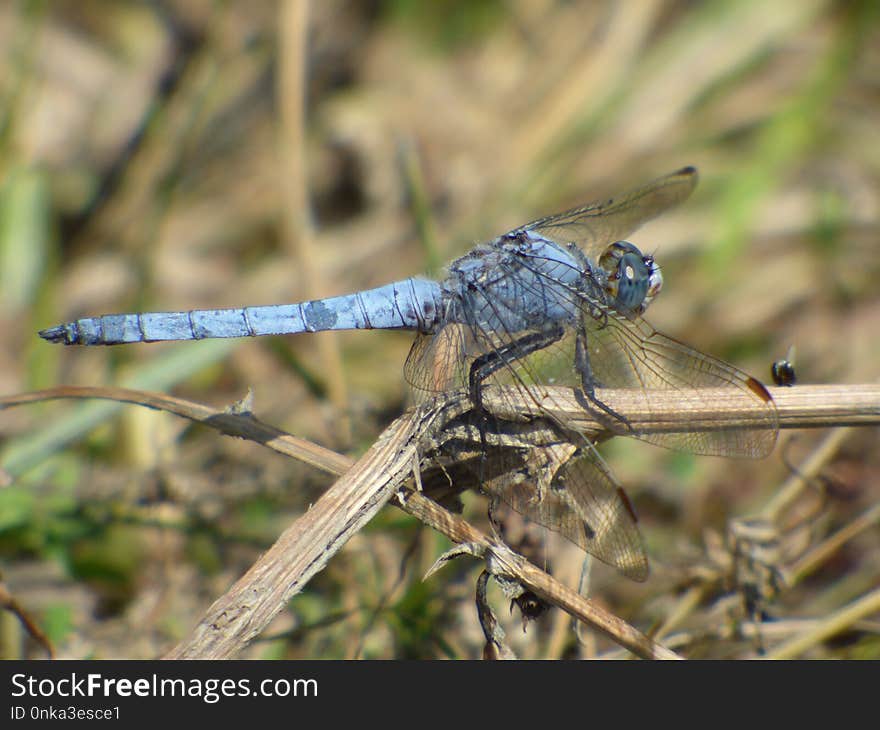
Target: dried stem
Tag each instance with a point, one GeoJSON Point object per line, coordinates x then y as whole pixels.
{"type": "Point", "coordinates": [806, 406]}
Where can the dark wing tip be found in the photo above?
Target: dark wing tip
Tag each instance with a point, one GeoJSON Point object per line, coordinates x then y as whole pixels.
{"type": "Point", "coordinates": [59, 333]}
{"type": "Point", "coordinates": [638, 573]}
{"type": "Point", "coordinates": [689, 174]}
{"type": "Point", "coordinates": [759, 389]}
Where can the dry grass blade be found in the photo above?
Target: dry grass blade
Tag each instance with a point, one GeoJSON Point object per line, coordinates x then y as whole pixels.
{"type": "Point", "coordinates": [242, 425]}
{"type": "Point", "coordinates": [800, 479]}
{"type": "Point", "coordinates": [822, 552]}
{"type": "Point", "coordinates": [834, 624]}
{"type": "Point", "coordinates": [298, 231]}
{"type": "Point", "coordinates": [8, 602]}
{"type": "Point", "coordinates": [807, 406]}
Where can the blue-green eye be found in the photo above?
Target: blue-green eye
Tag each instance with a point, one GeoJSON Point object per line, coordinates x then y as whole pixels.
{"type": "Point", "coordinates": [633, 278]}
{"type": "Point", "coordinates": [632, 283]}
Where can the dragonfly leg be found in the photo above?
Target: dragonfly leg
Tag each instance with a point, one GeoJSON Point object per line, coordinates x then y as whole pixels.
{"type": "Point", "coordinates": [586, 394]}
{"type": "Point", "coordinates": [490, 362]}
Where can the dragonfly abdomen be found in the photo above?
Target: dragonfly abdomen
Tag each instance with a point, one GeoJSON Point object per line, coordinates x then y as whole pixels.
{"type": "Point", "coordinates": [412, 304]}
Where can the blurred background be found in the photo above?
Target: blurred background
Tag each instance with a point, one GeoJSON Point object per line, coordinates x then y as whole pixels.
{"type": "Point", "coordinates": [196, 153]}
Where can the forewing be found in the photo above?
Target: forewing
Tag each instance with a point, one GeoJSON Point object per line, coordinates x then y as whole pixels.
{"type": "Point", "coordinates": [630, 354]}
{"type": "Point", "coordinates": [595, 225]}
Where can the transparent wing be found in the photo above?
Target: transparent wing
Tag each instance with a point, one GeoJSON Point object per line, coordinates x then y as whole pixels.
{"type": "Point", "coordinates": [584, 503]}
{"type": "Point", "coordinates": [593, 226]}
{"type": "Point", "coordinates": [439, 363]}
{"type": "Point", "coordinates": [630, 354]}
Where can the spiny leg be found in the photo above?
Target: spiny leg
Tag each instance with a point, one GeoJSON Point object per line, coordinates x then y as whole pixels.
{"type": "Point", "coordinates": [491, 362]}
{"type": "Point", "coordinates": [586, 394]}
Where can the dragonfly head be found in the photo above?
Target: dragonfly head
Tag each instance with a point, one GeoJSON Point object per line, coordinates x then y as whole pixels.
{"type": "Point", "coordinates": [634, 279]}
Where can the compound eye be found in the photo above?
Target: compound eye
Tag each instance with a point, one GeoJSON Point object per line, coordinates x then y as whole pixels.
{"type": "Point", "coordinates": [633, 279]}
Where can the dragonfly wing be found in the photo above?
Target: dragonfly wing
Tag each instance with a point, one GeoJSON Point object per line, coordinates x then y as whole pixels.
{"type": "Point", "coordinates": [595, 225]}
{"type": "Point", "coordinates": [573, 492]}
{"type": "Point", "coordinates": [439, 362]}
{"type": "Point", "coordinates": [627, 353]}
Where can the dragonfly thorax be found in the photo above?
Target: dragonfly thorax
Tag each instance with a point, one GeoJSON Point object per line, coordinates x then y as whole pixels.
{"type": "Point", "coordinates": [516, 283]}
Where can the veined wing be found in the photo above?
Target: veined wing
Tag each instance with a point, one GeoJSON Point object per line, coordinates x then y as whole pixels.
{"type": "Point", "coordinates": [582, 501]}
{"type": "Point", "coordinates": [595, 225]}
{"type": "Point", "coordinates": [626, 353]}
{"type": "Point", "coordinates": [440, 362]}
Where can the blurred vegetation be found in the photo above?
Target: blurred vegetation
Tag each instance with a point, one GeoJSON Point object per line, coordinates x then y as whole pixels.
{"type": "Point", "coordinates": [143, 166]}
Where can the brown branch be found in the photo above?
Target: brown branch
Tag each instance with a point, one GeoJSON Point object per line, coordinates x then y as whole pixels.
{"type": "Point", "coordinates": [243, 611]}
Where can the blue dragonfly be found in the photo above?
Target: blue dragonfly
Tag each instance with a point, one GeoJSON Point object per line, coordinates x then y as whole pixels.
{"type": "Point", "coordinates": [556, 302]}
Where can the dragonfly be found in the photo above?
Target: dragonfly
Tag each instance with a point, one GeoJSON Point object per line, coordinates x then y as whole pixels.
{"type": "Point", "coordinates": [558, 302]}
